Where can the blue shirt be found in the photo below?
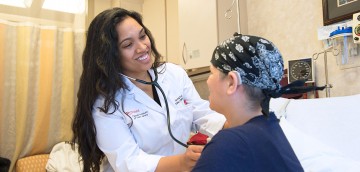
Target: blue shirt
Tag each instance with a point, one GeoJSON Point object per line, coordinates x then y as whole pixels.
{"type": "Point", "coordinates": [258, 146]}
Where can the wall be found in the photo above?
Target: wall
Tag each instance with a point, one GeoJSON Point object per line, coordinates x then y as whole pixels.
{"type": "Point", "coordinates": [227, 19]}
{"type": "Point", "coordinates": [292, 26]}
{"type": "Point", "coordinates": [172, 26]}
{"type": "Point", "coordinates": [94, 7]}
{"type": "Point", "coordinates": [155, 21]}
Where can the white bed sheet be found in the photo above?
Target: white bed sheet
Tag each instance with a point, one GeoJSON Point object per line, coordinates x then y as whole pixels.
{"type": "Point", "coordinates": [333, 121]}
{"type": "Point", "coordinates": [315, 156]}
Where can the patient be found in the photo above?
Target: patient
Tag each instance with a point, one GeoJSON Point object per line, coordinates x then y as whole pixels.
{"type": "Point", "coordinates": [245, 73]}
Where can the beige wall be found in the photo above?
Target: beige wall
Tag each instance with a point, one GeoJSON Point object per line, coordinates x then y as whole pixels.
{"type": "Point", "coordinates": [155, 21]}
{"type": "Point", "coordinates": [292, 26]}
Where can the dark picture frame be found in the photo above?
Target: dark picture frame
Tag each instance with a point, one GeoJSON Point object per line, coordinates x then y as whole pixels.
{"type": "Point", "coordinates": [332, 13]}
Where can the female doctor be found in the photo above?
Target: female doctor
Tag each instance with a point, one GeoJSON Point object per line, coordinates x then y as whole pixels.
{"type": "Point", "coordinates": [132, 108]}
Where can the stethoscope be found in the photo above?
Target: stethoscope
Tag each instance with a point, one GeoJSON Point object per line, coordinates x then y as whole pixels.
{"type": "Point", "coordinates": [156, 84]}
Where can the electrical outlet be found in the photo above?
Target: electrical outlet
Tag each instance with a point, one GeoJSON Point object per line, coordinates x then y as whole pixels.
{"type": "Point", "coordinates": [194, 54]}
{"type": "Point", "coordinates": [353, 51]}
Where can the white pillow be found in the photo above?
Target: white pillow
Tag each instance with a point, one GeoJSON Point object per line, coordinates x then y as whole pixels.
{"type": "Point", "coordinates": [63, 158]}
{"type": "Point", "coordinates": [315, 156]}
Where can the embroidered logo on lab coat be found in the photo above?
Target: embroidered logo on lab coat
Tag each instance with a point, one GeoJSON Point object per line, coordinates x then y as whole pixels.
{"type": "Point", "coordinates": [136, 114]}
{"type": "Point", "coordinates": [179, 99]}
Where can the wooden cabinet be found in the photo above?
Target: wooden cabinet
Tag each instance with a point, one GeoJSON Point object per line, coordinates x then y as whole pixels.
{"type": "Point", "coordinates": [195, 27]}
{"type": "Point", "coordinates": [186, 32]}
{"type": "Point", "coordinates": [197, 23]}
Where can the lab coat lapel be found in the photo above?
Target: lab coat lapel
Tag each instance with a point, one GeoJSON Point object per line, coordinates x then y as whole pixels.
{"type": "Point", "coordinates": [162, 80]}
{"type": "Point", "coordinates": [141, 97]}
{"type": "Point", "coordinates": [165, 86]}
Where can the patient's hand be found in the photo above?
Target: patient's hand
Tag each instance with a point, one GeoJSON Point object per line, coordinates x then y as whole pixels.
{"type": "Point", "coordinates": [191, 156]}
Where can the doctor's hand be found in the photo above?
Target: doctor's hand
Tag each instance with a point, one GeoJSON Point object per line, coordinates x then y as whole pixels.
{"type": "Point", "coordinates": [191, 156]}
{"type": "Point", "coordinates": [181, 162]}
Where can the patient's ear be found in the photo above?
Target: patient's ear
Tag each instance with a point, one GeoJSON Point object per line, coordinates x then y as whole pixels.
{"type": "Point", "coordinates": [233, 82]}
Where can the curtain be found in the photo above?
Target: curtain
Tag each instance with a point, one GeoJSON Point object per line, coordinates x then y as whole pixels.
{"type": "Point", "coordinates": [40, 68]}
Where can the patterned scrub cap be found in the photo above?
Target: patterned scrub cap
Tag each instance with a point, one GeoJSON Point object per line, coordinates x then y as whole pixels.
{"type": "Point", "coordinates": [258, 62]}
{"type": "Point", "coordinates": [256, 59]}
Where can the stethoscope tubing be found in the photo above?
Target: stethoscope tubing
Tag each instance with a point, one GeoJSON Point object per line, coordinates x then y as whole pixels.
{"type": "Point", "coordinates": [156, 84]}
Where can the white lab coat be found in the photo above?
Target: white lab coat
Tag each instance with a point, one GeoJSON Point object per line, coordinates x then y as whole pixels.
{"type": "Point", "coordinates": [139, 147]}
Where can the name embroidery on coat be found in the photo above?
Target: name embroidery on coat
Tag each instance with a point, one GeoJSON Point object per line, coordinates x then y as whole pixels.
{"type": "Point", "coordinates": [136, 114]}
{"type": "Point", "coordinates": [179, 99]}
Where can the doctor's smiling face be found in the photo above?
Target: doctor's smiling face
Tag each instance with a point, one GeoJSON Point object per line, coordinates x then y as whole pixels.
{"type": "Point", "coordinates": [134, 47]}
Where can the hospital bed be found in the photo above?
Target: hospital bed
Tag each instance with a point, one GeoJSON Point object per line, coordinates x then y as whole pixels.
{"type": "Point", "coordinates": [324, 132]}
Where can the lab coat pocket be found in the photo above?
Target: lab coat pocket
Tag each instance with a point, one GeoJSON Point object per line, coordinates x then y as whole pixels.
{"type": "Point", "coordinates": [184, 117]}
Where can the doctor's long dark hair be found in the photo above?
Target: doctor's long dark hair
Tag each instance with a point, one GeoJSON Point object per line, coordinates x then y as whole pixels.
{"type": "Point", "coordinates": [100, 77]}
